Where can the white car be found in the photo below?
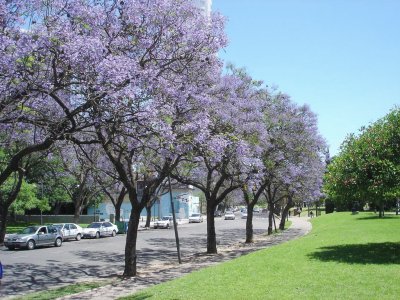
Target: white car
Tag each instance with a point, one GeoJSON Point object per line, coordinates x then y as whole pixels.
{"type": "Point", "coordinates": [165, 222]}
{"type": "Point", "coordinates": [229, 215]}
{"type": "Point", "coordinates": [244, 214]}
{"type": "Point", "coordinates": [196, 218]}
{"type": "Point", "coordinates": [98, 229]}
{"type": "Point", "coordinates": [69, 231]}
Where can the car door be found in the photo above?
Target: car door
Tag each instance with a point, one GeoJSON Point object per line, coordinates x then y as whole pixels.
{"type": "Point", "coordinates": [43, 236]}
{"type": "Point", "coordinates": [103, 229]}
{"type": "Point", "coordinates": [53, 232]}
{"type": "Point", "coordinates": [73, 230]}
{"type": "Point", "coordinates": [108, 228]}
{"type": "Point", "coordinates": [66, 231]}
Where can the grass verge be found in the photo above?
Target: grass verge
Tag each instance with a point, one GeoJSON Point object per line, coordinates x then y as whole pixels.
{"type": "Point", "coordinates": [63, 291]}
{"type": "Point", "coordinates": [344, 257]}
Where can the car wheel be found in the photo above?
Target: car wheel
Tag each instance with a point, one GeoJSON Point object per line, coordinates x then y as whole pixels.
{"type": "Point", "coordinates": [97, 235]}
{"type": "Point", "coordinates": [78, 237]}
{"type": "Point", "coordinates": [155, 227]}
{"type": "Point", "coordinates": [31, 245]}
{"type": "Point", "coordinates": [58, 242]}
{"type": "Point", "coordinates": [114, 233]}
{"type": "Point", "coordinates": [167, 226]}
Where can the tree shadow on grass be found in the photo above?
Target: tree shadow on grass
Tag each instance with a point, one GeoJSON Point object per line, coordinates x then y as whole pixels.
{"type": "Point", "coordinates": [386, 217]}
{"type": "Point", "coordinates": [372, 253]}
{"type": "Point", "coordinates": [139, 296]}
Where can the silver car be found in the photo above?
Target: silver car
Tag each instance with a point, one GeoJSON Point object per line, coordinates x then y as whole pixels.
{"type": "Point", "coordinates": [196, 218]}
{"type": "Point", "coordinates": [69, 231]}
{"type": "Point", "coordinates": [229, 215]}
{"type": "Point", "coordinates": [33, 236]}
{"type": "Point", "coordinates": [98, 229]}
{"type": "Point", "coordinates": [165, 222]}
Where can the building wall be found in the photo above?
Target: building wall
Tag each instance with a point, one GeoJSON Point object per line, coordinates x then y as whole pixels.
{"type": "Point", "coordinates": [184, 204]}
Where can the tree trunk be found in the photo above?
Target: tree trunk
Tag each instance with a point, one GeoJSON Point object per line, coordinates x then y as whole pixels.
{"type": "Point", "coordinates": [3, 220]}
{"type": "Point", "coordinates": [5, 205]}
{"type": "Point", "coordinates": [211, 236]}
{"type": "Point", "coordinates": [57, 208]}
{"type": "Point", "coordinates": [270, 216]}
{"type": "Point", "coordinates": [130, 246]}
{"type": "Point", "coordinates": [271, 209]}
{"type": "Point", "coordinates": [77, 212]}
{"type": "Point", "coordinates": [273, 218]}
{"type": "Point", "coordinates": [148, 219]}
{"type": "Point", "coordinates": [249, 223]}
{"type": "Point", "coordinates": [118, 204]}
{"type": "Point", "coordinates": [118, 211]}
{"type": "Point", "coordinates": [285, 212]}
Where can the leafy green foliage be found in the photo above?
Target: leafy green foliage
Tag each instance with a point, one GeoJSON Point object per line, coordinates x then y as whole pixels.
{"type": "Point", "coordinates": [368, 166]}
{"type": "Point", "coordinates": [28, 198]}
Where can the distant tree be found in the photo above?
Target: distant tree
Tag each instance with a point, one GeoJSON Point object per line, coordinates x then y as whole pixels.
{"type": "Point", "coordinates": [83, 189]}
{"type": "Point", "coordinates": [368, 166]}
{"type": "Point", "coordinates": [28, 198]}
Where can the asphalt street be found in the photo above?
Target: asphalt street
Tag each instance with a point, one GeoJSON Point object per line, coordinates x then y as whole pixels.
{"type": "Point", "coordinates": [75, 261]}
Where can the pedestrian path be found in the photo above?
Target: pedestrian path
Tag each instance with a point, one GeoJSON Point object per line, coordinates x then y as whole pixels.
{"type": "Point", "coordinates": [168, 271]}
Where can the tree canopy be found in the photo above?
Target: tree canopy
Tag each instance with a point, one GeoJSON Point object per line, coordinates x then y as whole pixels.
{"type": "Point", "coordinates": [367, 169]}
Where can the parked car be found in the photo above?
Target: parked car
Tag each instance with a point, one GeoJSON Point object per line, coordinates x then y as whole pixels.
{"type": "Point", "coordinates": [34, 236]}
{"type": "Point", "coordinates": [256, 209]}
{"type": "Point", "coordinates": [196, 218]}
{"type": "Point", "coordinates": [244, 214]}
{"type": "Point", "coordinates": [229, 215]}
{"type": "Point", "coordinates": [165, 222]}
{"type": "Point", "coordinates": [218, 213]}
{"type": "Point", "coordinates": [69, 231]}
{"type": "Point", "coordinates": [99, 229]}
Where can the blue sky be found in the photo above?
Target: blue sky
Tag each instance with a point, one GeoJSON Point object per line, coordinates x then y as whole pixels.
{"type": "Point", "coordinates": [341, 57]}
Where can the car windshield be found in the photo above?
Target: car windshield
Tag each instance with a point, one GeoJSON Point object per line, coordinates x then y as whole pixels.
{"type": "Point", "coordinates": [195, 215]}
{"type": "Point", "coordinates": [58, 226]}
{"type": "Point", "coordinates": [228, 212]}
{"type": "Point", "coordinates": [94, 225]}
{"type": "Point", "coordinates": [29, 230]}
{"type": "Point", "coordinates": [166, 218]}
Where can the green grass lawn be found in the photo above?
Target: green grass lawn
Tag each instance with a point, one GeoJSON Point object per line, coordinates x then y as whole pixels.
{"type": "Point", "coordinates": [344, 257]}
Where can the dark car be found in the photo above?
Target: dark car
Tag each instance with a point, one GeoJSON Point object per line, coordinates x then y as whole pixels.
{"type": "Point", "coordinates": [34, 236]}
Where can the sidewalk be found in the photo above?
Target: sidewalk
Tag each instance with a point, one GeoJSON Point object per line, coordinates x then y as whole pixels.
{"type": "Point", "coordinates": [168, 271]}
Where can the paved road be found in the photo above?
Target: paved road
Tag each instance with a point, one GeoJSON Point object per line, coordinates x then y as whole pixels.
{"type": "Point", "coordinates": [42, 268]}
